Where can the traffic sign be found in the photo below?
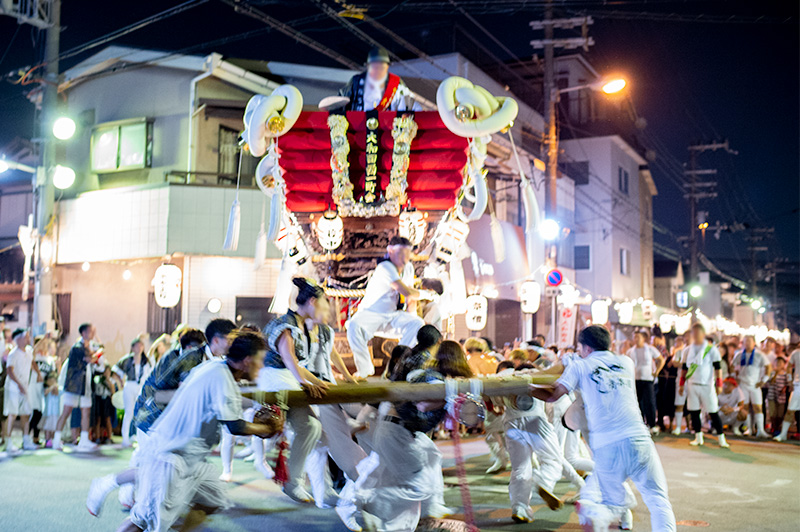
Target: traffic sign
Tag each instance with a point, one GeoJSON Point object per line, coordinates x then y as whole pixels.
{"type": "Point", "coordinates": [554, 277]}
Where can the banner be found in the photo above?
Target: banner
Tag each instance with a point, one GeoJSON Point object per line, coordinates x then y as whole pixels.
{"type": "Point", "coordinates": [566, 326]}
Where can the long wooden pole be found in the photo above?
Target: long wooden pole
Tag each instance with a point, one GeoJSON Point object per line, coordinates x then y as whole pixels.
{"type": "Point", "coordinates": [370, 392]}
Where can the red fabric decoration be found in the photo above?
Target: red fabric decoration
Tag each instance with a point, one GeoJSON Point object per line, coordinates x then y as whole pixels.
{"type": "Point", "coordinates": [440, 200]}
{"type": "Point", "coordinates": [308, 201]}
{"type": "Point", "coordinates": [318, 181]}
{"type": "Point", "coordinates": [281, 463]}
{"type": "Point", "coordinates": [434, 180]}
{"type": "Point", "coordinates": [304, 139]}
{"type": "Point", "coordinates": [306, 160]}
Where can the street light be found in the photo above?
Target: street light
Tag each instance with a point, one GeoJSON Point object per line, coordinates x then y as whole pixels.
{"type": "Point", "coordinates": [755, 304]}
{"type": "Point", "coordinates": [613, 86]}
{"type": "Point", "coordinates": [63, 177]}
{"type": "Point", "coordinates": [696, 291]}
{"type": "Point", "coordinates": [3, 166]}
{"type": "Point", "coordinates": [63, 128]}
{"type": "Point", "coordinates": [549, 229]}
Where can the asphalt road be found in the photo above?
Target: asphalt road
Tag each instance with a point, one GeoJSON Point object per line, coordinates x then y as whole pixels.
{"type": "Point", "coordinates": [753, 486]}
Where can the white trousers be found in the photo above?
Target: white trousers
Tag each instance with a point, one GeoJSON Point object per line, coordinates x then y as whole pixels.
{"type": "Point", "coordinates": [528, 435]}
{"type": "Point", "coordinates": [637, 459]}
{"type": "Point", "coordinates": [339, 441]}
{"type": "Point", "coordinates": [408, 479]}
{"type": "Point", "coordinates": [365, 323]}
{"type": "Point", "coordinates": [130, 392]}
{"type": "Point", "coordinates": [751, 395]}
{"type": "Point", "coordinates": [701, 396]}
{"type": "Point", "coordinates": [570, 441]}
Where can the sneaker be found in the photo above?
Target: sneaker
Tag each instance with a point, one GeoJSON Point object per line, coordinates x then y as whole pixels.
{"type": "Point", "coordinates": [98, 491]}
{"type": "Point", "coordinates": [28, 445]}
{"type": "Point", "coordinates": [496, 467]}
{"type": "Point", "coordinates": [85, 447]}
{"type": "Point", "coordinates": [126, 495]}
{"type": "Point", "coordinates": [522, 515]}
{"type": "Point", "coordinates": [626, 523]}
{"type": "Point", "coordinates": [226, 477]}
{"type": "Point", "coordinates": [297, 493]}
{"type": "Point", "coordinates": [264, 468]}
{"type": "Point", "coordinates": [347, 510]}
{"type": "Point", "coordinates": [58, 445]}
{"type": "Point", "coordinates": [438, 511]}
{"type": "Point", "coordinates": [553, 502]}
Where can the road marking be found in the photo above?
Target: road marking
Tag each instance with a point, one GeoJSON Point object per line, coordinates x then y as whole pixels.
{"type": "Point", "coordinates": [693, 523]}
{"type": "Point", "coordinates": [777, 483]}
{"type": "Point", "coordinates": [690, 474]}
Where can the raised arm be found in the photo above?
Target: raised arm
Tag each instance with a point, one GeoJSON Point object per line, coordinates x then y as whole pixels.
{"type": "Point", "coordinates": [314, 386]}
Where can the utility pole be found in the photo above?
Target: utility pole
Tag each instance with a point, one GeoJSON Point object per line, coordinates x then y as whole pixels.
{"type": "Point", "coordinates": [697, 190]}
{"type": "Point", "coordinates": [43, 190]}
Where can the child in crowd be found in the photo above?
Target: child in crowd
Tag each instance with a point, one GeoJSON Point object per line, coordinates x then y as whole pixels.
{"type": "Point", "coordinates": [51, 407]}
{"type": "Point", "coordinates": [776, 396]}
{"type": "Point", "coordinates": [102, 410]}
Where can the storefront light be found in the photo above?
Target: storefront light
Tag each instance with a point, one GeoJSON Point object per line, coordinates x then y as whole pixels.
{"type": "Point", "coordinates": [63, 128]}
{"type": "Point", "coordinates": [126, 275]}
{"type": "Point", "coordinates": [214, 305]}
{"type": "Point", "coordinates": [63, 177]}
{"type": "Point", "coordinates": [86, 266]}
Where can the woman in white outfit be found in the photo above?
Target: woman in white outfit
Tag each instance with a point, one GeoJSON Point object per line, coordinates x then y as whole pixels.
{"type": "Point", "coordinates": [299, 353]}
{"type": "Point", "coordinates": [131, 370]}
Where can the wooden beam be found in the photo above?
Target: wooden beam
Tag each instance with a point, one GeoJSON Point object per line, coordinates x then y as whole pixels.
{"type": "Point", "coordinates": [372, 392]}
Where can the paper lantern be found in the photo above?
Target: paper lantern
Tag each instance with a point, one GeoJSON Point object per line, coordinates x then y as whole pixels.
{"type": "Point", "coordinates": [530, 296]}
{"type": "Point", "coordinates": [291, 244]}
{"type": "Point", "coordinates": [666, 322]}
{"type": "Point", "coordinates": [167, 285]}
{"type": "Point", "coordinates": [625, 312]}
{"type": "Point", "coordinates": [682, 323]}
{"type": "Point", "coordinates": [477, 311]}
{"type": "Point", "coordinates": [647, 309]}
{"type": "Point", "coordinates": [600, 311]}
{"type": "Point", "coordinates": [453, 235]}
{"type": "Point", "coordinates": [330, 231]}
{"type": "Point", "coordinates": [412, 225]}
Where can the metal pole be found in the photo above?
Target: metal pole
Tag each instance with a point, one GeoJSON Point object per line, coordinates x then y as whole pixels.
{"type": "Point", "coordinates": [44, 193]}
{"type": "Point", "coordinates": [693, 216]}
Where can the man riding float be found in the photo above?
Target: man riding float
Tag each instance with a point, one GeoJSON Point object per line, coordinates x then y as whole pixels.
{"type": "Point", "coordinates": [377, 89]}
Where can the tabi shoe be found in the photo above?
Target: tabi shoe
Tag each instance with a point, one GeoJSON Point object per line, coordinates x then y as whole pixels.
{"type": "Point", "coordinates": [762, 434]}
{"type": "Point", "coordinates": [126, 495]}
{"type": "Point", "coordinates": [28, 445]}
{"type": "Point", "coordinates": [522, 515]}
{"type": "Point", "coordinates": [626, 523]}
{"type": "Point", "coordinates": [297, 493]}
{"type": "Point", "coordinates": [330, 500]}
{"type": "Point", "coordinates": [98, 491]}
{"type": "Point", "coordinates": [736, 431]}
{"type": "Point", "coordinates": [496, 467]}
{"type": "Point", "coordinates": [438, 511]}
{"type": "Point", "coordinates": [723, 442]}
{"type": "Point", "coordinates": [655, 431]}
{"type": "Point", "coordinates": [226, 477]}
{"type": "Point", "coordinates": [11, 448]}
{"type": "Point", "coordinates": [676, 432]}
{"type": "Point", "coordinates": [553, 502]}
{"type": "Point", "coordinates": [698, 439]}
{"type": "Point", "coordinates": [346, 508]}
{"type": "Point", "coordinates": [264, 468]}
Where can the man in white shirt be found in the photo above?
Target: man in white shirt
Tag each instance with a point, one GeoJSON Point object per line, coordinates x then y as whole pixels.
{"type": "Point", "coordinates": [16, 401]}
{"type": "Point", "coordinates": [731, 405]}
{"type": "Point", "coordinates": [174, 474]}
{"type": "Point", "coordinates": [701, 377]}
{"type": "Point", "coordinates": [381, 308]}
{"type": "Point", "coordinates": [794, 400]}
{"type": "Point", "coordinates": [752, 369]}
{"type": "Point", "coordinates": [647, 362]}
{"type": "Point", "coordinates": [619, 440]}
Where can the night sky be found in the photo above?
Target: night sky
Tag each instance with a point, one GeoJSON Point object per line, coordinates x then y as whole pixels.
{"type": "Point", "coordinates": [726, 75]}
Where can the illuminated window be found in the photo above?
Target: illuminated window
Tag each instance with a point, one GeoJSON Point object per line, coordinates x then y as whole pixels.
{"type": "Point", "coordinates": [124, 145]}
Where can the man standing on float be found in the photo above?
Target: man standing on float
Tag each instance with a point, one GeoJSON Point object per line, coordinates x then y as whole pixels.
{"type": "Point", "coordinates": [382, 308]}
{"type": "Point", "coordinates": [376, 89]}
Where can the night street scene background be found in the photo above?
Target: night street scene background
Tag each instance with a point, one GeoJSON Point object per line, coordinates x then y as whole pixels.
{"type": "Point", "coordinates": [471, 190]}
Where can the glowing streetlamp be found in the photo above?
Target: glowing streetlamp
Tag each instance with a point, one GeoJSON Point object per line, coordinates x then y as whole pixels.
{"type": "Point", "coordinates": [613, 86]}
{"type": "Point", "coordinates": [549, 229]}
{"type": "Point", "coordinates": [63, 128]}
{"type": "Point", "coordinates": [63, 177]}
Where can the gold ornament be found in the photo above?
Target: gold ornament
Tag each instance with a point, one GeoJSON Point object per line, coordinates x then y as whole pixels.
{"type": "Point", "coordinates": [463, 112]}
{"type": "Point", "coordinates": [276, 124]}
{"type": "Point", "coordinates": [372, 123]}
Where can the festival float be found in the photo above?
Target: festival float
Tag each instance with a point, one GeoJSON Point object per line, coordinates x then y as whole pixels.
{"type": "Point", "coordinates": [342, 183]}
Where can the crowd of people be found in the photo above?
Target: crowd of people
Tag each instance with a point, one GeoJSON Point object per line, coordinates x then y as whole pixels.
{"type": "Point", "coordinates": [182, 397]}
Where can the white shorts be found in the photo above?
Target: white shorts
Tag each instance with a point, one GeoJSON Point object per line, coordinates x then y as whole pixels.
{"type": "Point", "coordinates": [76, 401]}
{"type": "Point", "coordinates": [794, 400]}
{"type": "Point", "coordinates": [16, 404]}
{"type": "Point", "coordinates": [751, 395]}
{"type": "Point", "coordinates": [680, 398]}
{"type": "Point", "coordinates": [701, 396]}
